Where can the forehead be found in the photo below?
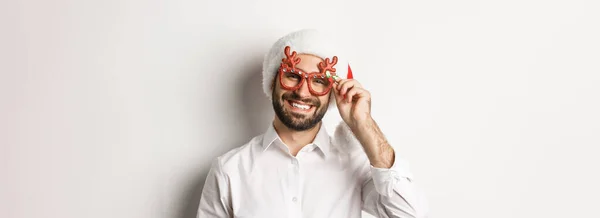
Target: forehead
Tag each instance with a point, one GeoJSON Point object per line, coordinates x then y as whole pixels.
{"type": "Point", "coordinates": [309, 62]}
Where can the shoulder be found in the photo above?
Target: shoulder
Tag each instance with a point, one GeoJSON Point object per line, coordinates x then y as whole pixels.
{"type": "Point", "coordinates": [232, 159]}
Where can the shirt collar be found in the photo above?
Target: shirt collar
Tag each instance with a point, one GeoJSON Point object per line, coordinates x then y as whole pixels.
{"type": "Point", "coordinates": [322, 140]}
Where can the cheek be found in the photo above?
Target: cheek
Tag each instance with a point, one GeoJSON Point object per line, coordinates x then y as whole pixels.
{"type": "Point", "coordinates": [324, 100]}
{"type": "Point", "coordinates": [277, 91]}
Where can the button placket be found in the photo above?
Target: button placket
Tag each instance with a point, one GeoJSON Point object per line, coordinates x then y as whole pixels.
{"type": "Point", "coordinates": [294, 187]}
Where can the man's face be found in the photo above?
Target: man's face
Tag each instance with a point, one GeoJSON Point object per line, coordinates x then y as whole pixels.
{"type": "Point", "coordinates": [300, 109]}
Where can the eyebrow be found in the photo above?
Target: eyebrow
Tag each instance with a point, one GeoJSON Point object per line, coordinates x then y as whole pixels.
{"type": "Point", "coordinates": [318, 70]}
{"type": "Point", "coordinates": [301, 69]}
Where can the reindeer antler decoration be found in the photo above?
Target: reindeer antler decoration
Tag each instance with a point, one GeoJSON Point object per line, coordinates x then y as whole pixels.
{"type": "Point", "coordinates": [327, 67]}
{"type": "Point", "coordinates": [290, 60]}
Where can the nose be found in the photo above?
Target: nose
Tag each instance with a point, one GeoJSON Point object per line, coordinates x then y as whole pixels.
{"type": "Point", "coordinates": [303, 91]}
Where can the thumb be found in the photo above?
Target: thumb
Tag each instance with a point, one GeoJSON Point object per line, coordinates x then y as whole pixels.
{"type": "Point", "coordinates": [335, 90]}
{"type": "Point", "coordinates": [336, 93]}
{"type": "Point", "coordinates": [338, 98]}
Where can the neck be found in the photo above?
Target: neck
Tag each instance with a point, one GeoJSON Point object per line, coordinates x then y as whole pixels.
{"type": "Point", "coordinates": [295, 140]}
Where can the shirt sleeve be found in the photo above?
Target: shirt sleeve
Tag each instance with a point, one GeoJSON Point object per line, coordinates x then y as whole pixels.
{"type": "Point", "coordinates": [215, 199]}
{"type": "Point", "coordinates": [392, 192]}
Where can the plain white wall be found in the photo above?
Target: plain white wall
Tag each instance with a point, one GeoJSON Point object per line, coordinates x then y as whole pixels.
{"type": "Point", "coordinates": [116, 108]}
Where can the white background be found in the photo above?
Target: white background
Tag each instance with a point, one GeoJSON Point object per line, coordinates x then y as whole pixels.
{"type": "Point", "coordinates": [115, 108]}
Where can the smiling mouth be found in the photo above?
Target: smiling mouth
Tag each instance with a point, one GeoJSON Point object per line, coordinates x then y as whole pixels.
{"type": "Point", "coordinates": [299, 106]}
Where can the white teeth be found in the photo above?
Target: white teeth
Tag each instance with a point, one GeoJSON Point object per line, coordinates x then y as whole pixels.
{"type": "Point", "coordinates": [301, 106]}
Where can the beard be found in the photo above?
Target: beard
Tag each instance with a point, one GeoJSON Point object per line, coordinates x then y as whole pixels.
{"type": "Point", "coordinates": [296, 121]}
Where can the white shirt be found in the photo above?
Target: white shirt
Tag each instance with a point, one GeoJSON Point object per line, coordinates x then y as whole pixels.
{"type": "Point", "coordinates": [261, 179]}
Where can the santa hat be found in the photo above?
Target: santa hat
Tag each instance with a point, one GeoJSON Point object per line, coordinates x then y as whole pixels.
{"type": "Point", "coordinates": [321, 44]}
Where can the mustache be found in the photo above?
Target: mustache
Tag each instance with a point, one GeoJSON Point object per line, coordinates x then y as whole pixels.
{"type": "Point", "coordinates": [296, 97]}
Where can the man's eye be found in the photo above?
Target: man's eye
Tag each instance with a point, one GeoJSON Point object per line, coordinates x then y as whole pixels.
{"type": "Point", "coordinates": [320, 81]}
{"type": "Point", "coordinates": [293, 76]}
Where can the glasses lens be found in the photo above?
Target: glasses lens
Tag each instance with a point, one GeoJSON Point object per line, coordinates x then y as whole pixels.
{"type": "Point", "coordinates": [290, 79]}
{"type": "Point", "coordinates": [319, 84]}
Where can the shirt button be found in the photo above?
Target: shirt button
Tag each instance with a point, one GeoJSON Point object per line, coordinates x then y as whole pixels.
{"type": "Point", "coordinates": [294, 199]}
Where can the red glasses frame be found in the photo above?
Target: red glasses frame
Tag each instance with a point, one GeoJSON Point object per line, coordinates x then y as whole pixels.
{"type": "Point", "coordinates": [288, 64]}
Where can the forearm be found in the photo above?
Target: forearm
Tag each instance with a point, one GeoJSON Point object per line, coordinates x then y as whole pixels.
{"type": "Point", "coordinates": [376, 146]}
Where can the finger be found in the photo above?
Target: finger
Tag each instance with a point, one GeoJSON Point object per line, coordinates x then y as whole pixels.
{"type": "Point", "coordinates": [344, 86]}
{"type": "Point", "coordinates": [348, 85]}
{"type": "Point", "coordinates": [337, 86]}
{"type": "Point", "coordinates": [356, 92]}
{"type": "Point", "coordinates": [336, 92]}
{"type": "Point", "coordinates": [361, 94]}
{"type": "Point", "coordinates": [341, 82]}
{"type": "Point", "coordinates": [337, 80]}
{"type": "Point", "coordinates": [339, 96]}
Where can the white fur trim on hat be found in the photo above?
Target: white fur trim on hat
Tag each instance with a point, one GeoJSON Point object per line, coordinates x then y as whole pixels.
{"type": "Point", "coordinates": [345, 139]}
{"type": "Point", "coordinates": [306, 41]}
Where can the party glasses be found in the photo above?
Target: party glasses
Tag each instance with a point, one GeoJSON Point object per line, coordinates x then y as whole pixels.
{"type": "Point", "coordinates": [292, 78]}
